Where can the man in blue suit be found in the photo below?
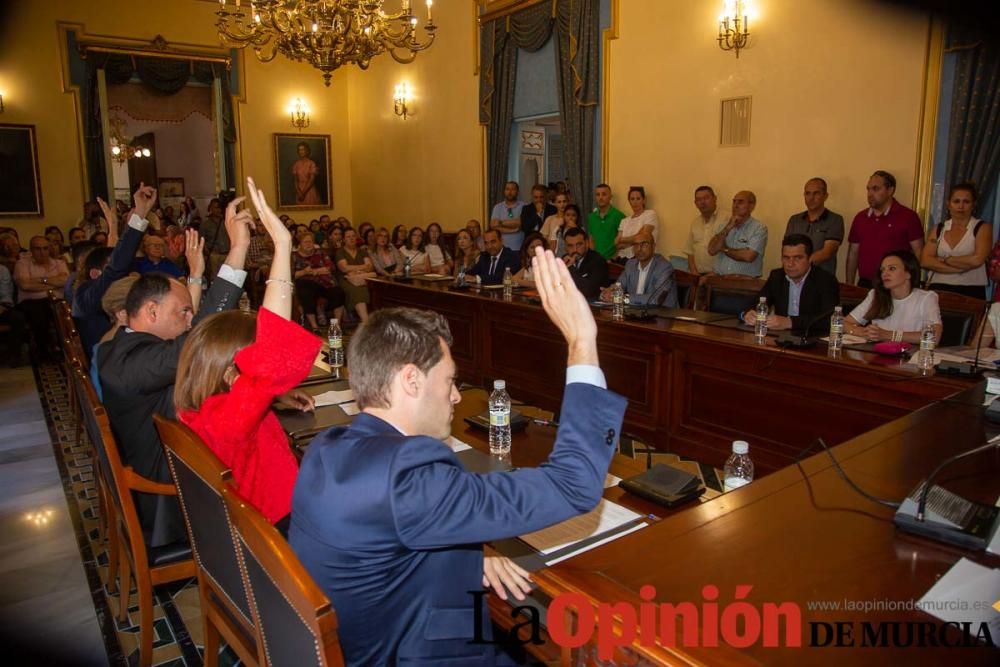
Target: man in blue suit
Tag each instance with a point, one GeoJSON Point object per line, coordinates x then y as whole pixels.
{"type": "Point", "coordinates": [497, 257]}
{"type": "Point", "coordinates": [389, 523]}
{"type": "Point", "coordinates": [648, 278]}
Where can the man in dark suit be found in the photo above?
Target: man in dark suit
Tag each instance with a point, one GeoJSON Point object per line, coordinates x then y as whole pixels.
{"type": "Point", "coordinates": [802, 296]}
{"type": "Point", "coordinates": [390, 524]}
{"type": "Point", "coordinates": [497, 257]}
{"type": "Point", "coordinates": [588, 267]}
{"type": "Point", "coordinates": [137, 367]}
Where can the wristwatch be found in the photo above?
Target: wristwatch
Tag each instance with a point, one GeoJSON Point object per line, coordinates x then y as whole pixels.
{"type": "Point", "coordinates": [197, 281]}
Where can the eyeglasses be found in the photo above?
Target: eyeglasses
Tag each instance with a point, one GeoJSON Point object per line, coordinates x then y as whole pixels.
{"type": "Point", "coordinates": [642, 244]}
{"type": "Point", "coordinates": [39, 247]}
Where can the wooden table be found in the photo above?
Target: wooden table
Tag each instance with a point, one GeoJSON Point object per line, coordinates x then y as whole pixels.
{"type": "Point", "coordinates": [692, 388]}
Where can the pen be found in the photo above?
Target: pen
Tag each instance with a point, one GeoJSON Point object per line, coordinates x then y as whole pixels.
{"type": "Point", "coordinates": [545, 422]}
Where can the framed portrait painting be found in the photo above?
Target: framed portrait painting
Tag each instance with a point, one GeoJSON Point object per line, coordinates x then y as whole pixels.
{"type": "Point", "coordinates": [172, 186]}
{"type": "Point", "coordinates": [20, 186]}
{"type": "Point", "coordinates": [302, 170]}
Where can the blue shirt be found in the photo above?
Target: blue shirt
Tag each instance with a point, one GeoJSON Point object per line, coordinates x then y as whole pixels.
{"type": "Point", "coordinates": [512, 240]}
{"type": "Point", "coordinates": [145, 265]}
{"type": "Point", "coordinates": [795, 294]}
{"type": "Point", "coordinates": [751, 234]}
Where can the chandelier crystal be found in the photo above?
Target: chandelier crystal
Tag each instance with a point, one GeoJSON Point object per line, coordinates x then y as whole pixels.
{"type": "Point", "coordinates": [122, 148]}
{"type": "Point", "coordinates": [324, 33]}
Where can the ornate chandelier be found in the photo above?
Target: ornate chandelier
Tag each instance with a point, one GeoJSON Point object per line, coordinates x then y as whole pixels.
{"type": "Point", "coordinates": [122, 148]}
{"type": "Point", "coordinates": [324, 33]}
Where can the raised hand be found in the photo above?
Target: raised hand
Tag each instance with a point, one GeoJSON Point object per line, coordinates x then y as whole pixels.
{"type": "Point", "coordinates": [238, 224]}
{"type": "Point", "coordinates": [275, 228]}
{"type": "Point", "coordinates": [566, 307]}
{"type": "Point", "coordinates": [194, 252]}
{"type": "Point", "coordinates": [110, 216]}
{"type": "Point", "coordinates": [144, 199]}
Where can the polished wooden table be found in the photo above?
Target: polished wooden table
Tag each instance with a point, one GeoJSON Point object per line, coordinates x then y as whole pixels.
{"type": "Point", "coordinates": [692, 388]}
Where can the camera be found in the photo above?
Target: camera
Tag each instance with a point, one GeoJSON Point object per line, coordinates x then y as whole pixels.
{"type": "Point", "coordinates": [226, 196]}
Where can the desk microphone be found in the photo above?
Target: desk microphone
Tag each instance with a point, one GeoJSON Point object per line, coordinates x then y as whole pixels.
{"type": "Point", "coordinates": [922, 504]}
{"type": "Point", "coordinates": [791, 340]}
{"type": "Point", "coordinates": [964, 369]}
{"type": "Point", "coordinates": [643, 313]}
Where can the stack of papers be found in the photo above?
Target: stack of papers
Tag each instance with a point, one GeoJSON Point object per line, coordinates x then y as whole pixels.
{"type": "Point", "coordinates": [334, 397]}
{"type": "Point", "coordinates": [606, 522]}
{"type": "Point", "coordinates": [973, 584]}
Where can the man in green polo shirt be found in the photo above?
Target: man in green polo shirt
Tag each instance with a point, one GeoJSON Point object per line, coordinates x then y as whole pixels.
{"type": "Point", "coordinates": [603, 221]}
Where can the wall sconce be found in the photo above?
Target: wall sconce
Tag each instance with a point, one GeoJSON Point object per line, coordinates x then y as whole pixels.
{"type": "Point", "coordinates": [399, 100]}
{"type": "Point", "coordinates": [734, 26]}
{"type": "Point", "coordinates": [1, 102]}
{"type": "Point", "coordinates": [299, 113]}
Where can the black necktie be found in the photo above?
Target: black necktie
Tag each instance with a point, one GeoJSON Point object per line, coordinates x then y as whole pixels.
{"type": "Point", "coordinates": [493, 264]}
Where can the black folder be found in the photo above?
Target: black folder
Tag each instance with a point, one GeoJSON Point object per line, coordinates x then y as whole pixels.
{"type": "Point", "coordinates": [664, 485]}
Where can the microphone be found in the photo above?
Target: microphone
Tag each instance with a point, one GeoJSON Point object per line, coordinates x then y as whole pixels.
{"type": "Point", "coordinates": [643, 313]}
{"type": "Point", "coordinates": [964, 369]}
{"type": "Point", "coordinates": [922, 504]}
{"type": "Point", "coordinates": [788, 339]}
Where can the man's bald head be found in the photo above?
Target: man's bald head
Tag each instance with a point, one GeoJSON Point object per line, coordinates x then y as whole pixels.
{"type": "Point", "coordinates": [644, 244]}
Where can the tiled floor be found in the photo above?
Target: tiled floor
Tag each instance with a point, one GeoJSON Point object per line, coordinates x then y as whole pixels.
{"type": "Point", "coordinates": [46, 606]}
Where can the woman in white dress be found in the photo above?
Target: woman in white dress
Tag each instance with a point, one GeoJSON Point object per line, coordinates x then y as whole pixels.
{"type": "Point", "coordinates": [956, 250]}
{"type": "Point", "coordinates": [896, 309]}
{"type": "Point", "coordinates": [440, 258]}
{"type": "Point", "coordinates": [641, 216]}
{"type": "Point", "coordinates": [555, 220]}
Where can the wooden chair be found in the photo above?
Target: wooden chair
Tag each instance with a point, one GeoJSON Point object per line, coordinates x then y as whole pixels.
{"type": "Point", "coordinates": [296, 624]}
{"type": "Point", "coordinates": [687, 288]}
{"type": "Point", "coordinates": [731, 295]}
{"type": "Point", "coordinates": [614, 270]}
{"type": "Point", "coordinates": [150, 566]}
{"type": "Point", "coordinates": [200, 478]}
{"type": "Point", "coordinates": [851, 296]}
{"type": "Point", "coordinates": [961, 316]}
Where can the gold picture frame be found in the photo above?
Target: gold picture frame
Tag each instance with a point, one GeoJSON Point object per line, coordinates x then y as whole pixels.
{"type": "Point", "coordinates": [302, 172]}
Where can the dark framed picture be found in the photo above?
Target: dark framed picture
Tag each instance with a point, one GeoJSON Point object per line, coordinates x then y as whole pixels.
{"type": "Point", "coordinates": [302, 170]}
{"type": "Point", "coordinates": [171, 187]}
{"type": "Point", "coordinates": [20, 186]}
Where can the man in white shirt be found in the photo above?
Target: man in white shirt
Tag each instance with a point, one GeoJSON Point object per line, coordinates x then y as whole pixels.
{"type": "Point", "coordinates": [703, 228]}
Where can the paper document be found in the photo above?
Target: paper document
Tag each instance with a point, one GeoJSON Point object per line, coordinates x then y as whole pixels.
{"type": "Point", "coordinates": [350, 409]}
{"type": "Point", "coordinates": [456, 444]}
{"type": "Point", "coordinates": [611, 480]}
{"type": "Point", "coordinates": [333, 397]}
{"type": "Point", "coordinates": [975, 585]}
{"type": "Point", "coordinates": [607, 516]}
{"type": "Point", "coordinates": [848, 339]}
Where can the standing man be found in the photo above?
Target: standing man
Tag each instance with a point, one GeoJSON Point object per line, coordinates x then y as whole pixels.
{"type": "Point", "coordinates": [738, 247]}
{"type": "Point", "coordinates": [213, 230]}
{"type": "Point", "coordinates": [603, 221]}
{"type": "Point", "coordinates": [705, 225]}
{"type": "Point", "coordinates": [506, 217]}
{"type": "Point", "coordinates": [803, 295]}
{"type": "Point", "coordinates": [648, 278]}
{"type": "Point", "coordinates": [823, 226]}
{"type": "Point", "coordinates": [886, 225]}
{"type": "Point", "coordinates": [497, 257]}
{"type": "Point", "coordinates": [533, 215]}
{"type": "Point", "coordinates": [396, 544]}
{"type": "Point", "coordinates": [35, 274]}
{"type": "Point", "coordinates": [588, 269]}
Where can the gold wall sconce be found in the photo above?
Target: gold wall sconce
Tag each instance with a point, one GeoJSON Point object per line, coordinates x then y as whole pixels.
{"type": "Point", "coordinates": [1, 102]}
{"type": "Point", "coordinates": [734, 26]}
{"type": "Point", "coordinates": [399, 100]}
{"type": "Point", "coordinates": [300, 114]}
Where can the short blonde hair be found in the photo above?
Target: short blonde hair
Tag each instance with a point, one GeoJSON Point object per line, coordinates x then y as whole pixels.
{"type": "Point", "coordinates": [113, 300]}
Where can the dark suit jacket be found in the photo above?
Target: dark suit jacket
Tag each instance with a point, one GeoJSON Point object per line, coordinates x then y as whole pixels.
{"type": "Point", "coordinates": [592, 275]}
{"type": "Point", "coordinates": [820, 295]}
{"type": "Point", "coordinates": [137, 373]}
{"type": "Point", "coordinates": [507, 257]}
{"type": "Point", "coordinates": [391, 527]}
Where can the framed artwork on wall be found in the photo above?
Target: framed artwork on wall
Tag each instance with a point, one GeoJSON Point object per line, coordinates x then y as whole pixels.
{"type": "Point", "coordinates": [20, 185]}
{"type": "Point", "coordinates": [302, 171]}
{"type": "Point", "coordinates": [171, 186]}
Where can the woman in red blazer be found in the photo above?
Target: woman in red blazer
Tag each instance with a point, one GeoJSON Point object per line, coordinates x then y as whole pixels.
{"type": "Point", "coordinates": [232, 368]}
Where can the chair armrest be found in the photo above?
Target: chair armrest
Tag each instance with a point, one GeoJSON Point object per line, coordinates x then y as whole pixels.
{"type": "Point", "coordinates": [137, 482]}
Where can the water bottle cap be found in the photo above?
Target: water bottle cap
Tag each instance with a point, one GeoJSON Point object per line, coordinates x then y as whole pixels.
{"type": "Point", "coordinates": [763, 299]}
{"type": "Point", "coordinates": [741, 447]}
{"type": "Point", "coordinates": [333, 322]}
{"type": "Point", "coordinates": [499, 384]}
{"type": "Point", "coordinates": [838, 309]}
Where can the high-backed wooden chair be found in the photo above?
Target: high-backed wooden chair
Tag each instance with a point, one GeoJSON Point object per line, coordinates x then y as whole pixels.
{"type": "Point", "coordinates": [150, 566]}
{"type": "Point", "coordinates": [731, 295]}
{"type": "Point", "coordinates": [296, 624]}
{"type": "Point", "coordinates": [687, 288]}
{"type": "Point", "coordinates": [961, 316]}
{"type": "Point", "coordinates": [200, 478]}
{"type": "Point", "coordinates": [851, 296]}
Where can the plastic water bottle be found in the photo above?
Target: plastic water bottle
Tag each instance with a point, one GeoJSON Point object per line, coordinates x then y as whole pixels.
{"type": "Point", "coordinates": [617, 302]}
{"type": "Point", "coordinates": [335, 338]}
{"type": "Point", "coordinates": [499, 419]}
{"type": "Point", "coordinates": [508, 284]}
{"type": "Point", "coordinates": [738, 470]}
{"type": "Point", "coordinates": [837, 329]}
{"type": "Point", "coordinates": [244, 303]}
{"type": "Point", "coordinates": [408, 267]}
{"type": "Point", "coordinates": [460, 280]}
{"type": "Point", "coordinates": [925, 359]}
{"type": "Point", "coordinates": [760, 327]}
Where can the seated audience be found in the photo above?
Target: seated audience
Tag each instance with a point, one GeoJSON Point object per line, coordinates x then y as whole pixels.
{"type": "Point", "coordinates": [492, 263]}
{"type": "Point", "coordinates": [57, 249]}
{"type": "Point", "coordinates": [570, 220]}
{"type": "Point", "coordinates": [315, 280]}
{"type": "Point", "coordinates": [801, 295]}
{"type": "Point", "coordinates": [78, 257]}
{"type": "Point", "coordinates": [10, 250]}
{"type": "Point", "coordinates": [956, 250]}
{"type": "Point", "coordinates": [92, 222]}
{"type": "Point", "coordinates": [884, 226]}
{"type": "Point", "coordinates": [355, 267]}
{"type": "Point", "coordinates": [476, 231]}
{"type": "Point", "coordinates": [385, 257]}
{"type": "Point", "coordinates": [113, 304]}
{"type": "Point", "coordinates": [100, 238]}
{"type": "Point", "coordinates": [234, 365]}
{"type": "Point", "coordinates": [155, 259]}
{"type": "Point", "coordinates": [705, 225]}
{"type": "Point", "coordinates": [138, 367]}
{"type": "Point", "coordinates": [104, 266]}
{"type": "Point", "coordinates": [416, 253]}
{"type": "Point", "coordinates": [437, 254]}
{"type": "Point", "coordinates": [76, 235]}
{"type": "Point", "coordinates": [630, 225]}
{"type": "Point", "coordinates": [379, 516]}
{"type": "Point", "coordinates": [739, 246]}
{"type": "Point", "coordinates": [17, 334]}
{"type": "Point", "coordinates": [35, 275]}
{"type": "Point", "coordinates": [823, 226]}
{"type": "Point", "coordinates": [335, 241]}
{"type": "Point", "coordinates": [555, 219]}
{"type": "Point", "coordinates": [174, 238]}
{"type": "Point", "coordinates": [399, 236]}
{"type": "Point", "coordinates": [525, 277]}
{"type": "Point", "coordinates": [896, 309]}
{"type": "Point", "coordinates": [648, 278]}
{"type": "Point", "coordinates": [363, 230]}
{"type": "Point", "coordinates": [466, 251]}
{"type": "Point", "coordinates": [587, 267]}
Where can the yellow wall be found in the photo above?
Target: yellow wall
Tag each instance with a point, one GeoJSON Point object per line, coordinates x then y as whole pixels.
{"type": "Point", "coordinates": [31, 75]}
{"type": "Point", "coordinates": [430, 166]}
{"type": "Point", "coordinates": [837, 93]}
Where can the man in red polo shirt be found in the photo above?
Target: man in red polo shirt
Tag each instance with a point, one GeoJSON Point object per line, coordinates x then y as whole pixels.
{"type": "Point", "coordinates": [884, 226]}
